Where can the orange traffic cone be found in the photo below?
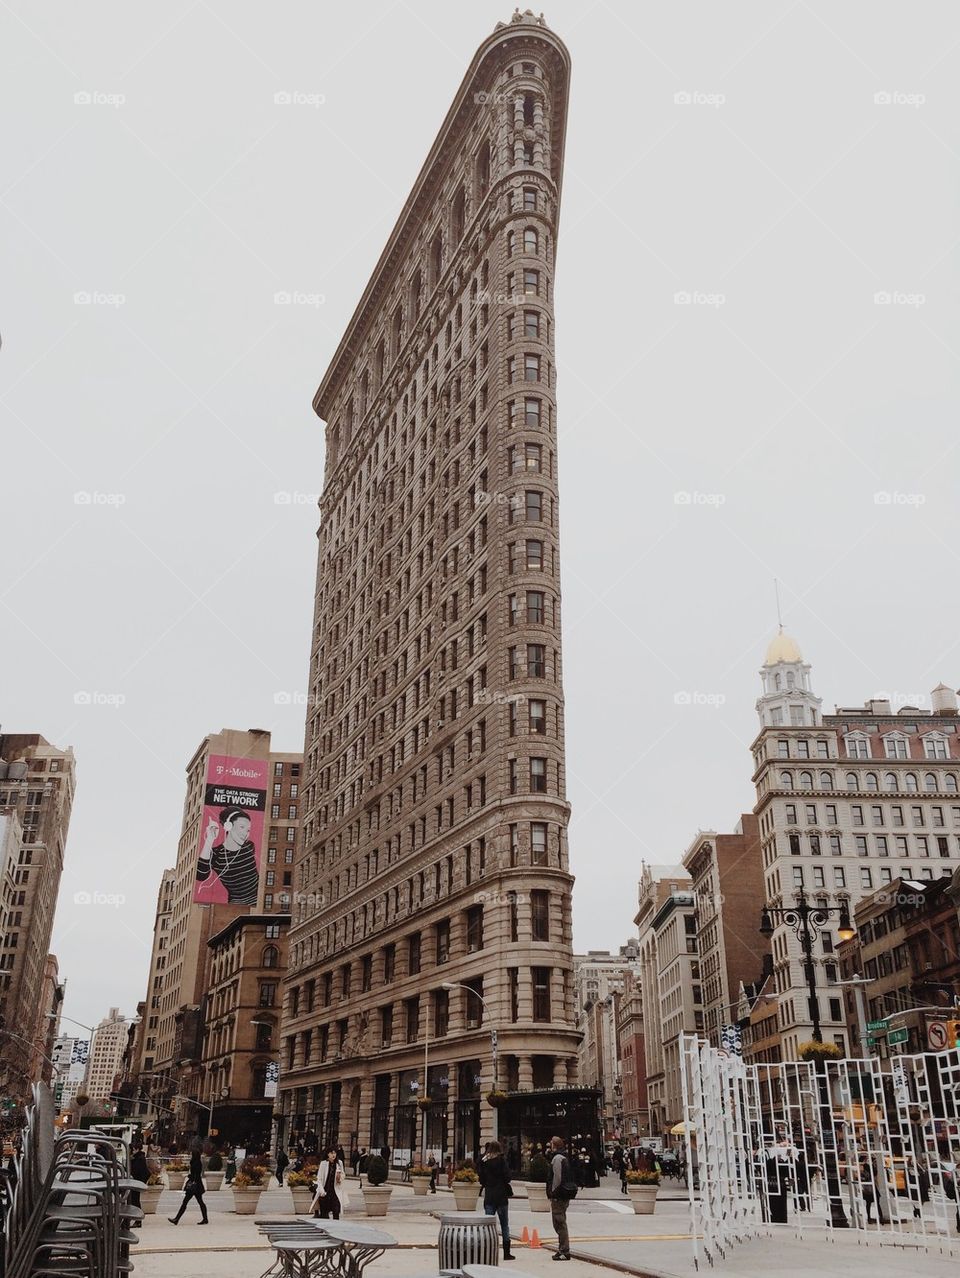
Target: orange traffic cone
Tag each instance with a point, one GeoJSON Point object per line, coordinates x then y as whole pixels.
{"type": "Point", "coordinates": [525, 1236]}
{"type": "Point", "coordinates": [535, 1239]}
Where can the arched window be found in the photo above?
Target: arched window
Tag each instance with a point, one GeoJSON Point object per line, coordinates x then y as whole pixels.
{"type": "Point", "coordinates": [791, 679]}
{"type": "Point", "coordinates": [872, 783]}
{"type": "Point", "coordinates": [777, 682]}
{"type": "Point", "coordinates": [912, 784]}
{"type": "Point", "coordinates": [786, 780]}
{"type": "Point", "coordinates": [271, 956]}
{"type": "Point", "coordinates": [950, 783]}
{"type": "Point", "coordinates": [852, 782]}
{"type": "Point", "coordinates": [531, 241]}
{"type": "Point", "coordinates": [483, 169]}
{"type": "Point", "coordinates": [397, 330]}
{"type": "Point", "coordinates": [930, 783]}
{"type": "Point", "coordinates": [826, 780]}
{"type": "Point", "coordinates": [380, 362]}
{"type": "Point", "coordinates": [890, 782]}
{"type": "Point", "coordinates": [806, 781]}
{"type": "Point", "coordinates": [511, 243]}
{"type": "Point", "coordinates": [416, 289]}
{"type": "Point", "coordinates": [458, 215]}
{"type": "Point", "coordinates": [436, 259]}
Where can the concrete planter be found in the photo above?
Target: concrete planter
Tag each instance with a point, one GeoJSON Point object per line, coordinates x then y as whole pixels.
{"type": "Point", "coordinates": [420, 1185]}
{"type": "Point", "coordinates": [465, 1194]}
{"type": "Point", "coordinates": [644, 1198]}
{"type": "Point", "coordinates": [537, 1199]}
{"type": "Point", "coordinates": [302, 1198]}
{"type": "Point", "coordinates": [212, 1180]}
{"type": "Point", "coordinates": [149, 1198]}
{"type": "Point", "coordinates": [176, 1180]}
{"type": "Point", "coordinates": [376, 1199]}
{"type": "Point", "coordinates": [245, 1200]}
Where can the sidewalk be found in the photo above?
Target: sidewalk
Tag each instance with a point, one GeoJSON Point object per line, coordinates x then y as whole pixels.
{"type": "Point", "coordinates": [605, 1236]}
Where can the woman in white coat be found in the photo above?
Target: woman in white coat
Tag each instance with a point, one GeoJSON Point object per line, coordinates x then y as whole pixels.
{"type": "Point", "coordinates": [331, 1196]}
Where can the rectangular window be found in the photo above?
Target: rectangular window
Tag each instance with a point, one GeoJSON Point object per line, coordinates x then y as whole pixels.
{"type": "Point", "coordinates": [541, 994]}
{"type": "Point", "coordinates": [540, 915]}
{"type": "Point", "coordinates": [412, 1011]}
{"type": "Point", "coordinates": [536, 609]}
{"type": "Point", "coordinates": [473, 995]}
{"type": "Point", "coordinates": [474, 929]}
{"type": "Point", "coordinates": [538, 716]}
{"type": "Point", "coordinates": [386, 1026]}
{"type": "Point", "coordinates": [413, 954]}
{"type": "Point", "coordinates": [538, 775]}
{"type": "Point", "coordinates": [538, 843]}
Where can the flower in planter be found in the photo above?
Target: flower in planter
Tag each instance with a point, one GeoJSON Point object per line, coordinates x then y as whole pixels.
{"type": "Point", "coordinates": [466, 1175]}
{"type": "Point", "coordinates": [423, 1102]}
{"type": "Point", "coordinates": [300, 1179]}
{"type": "Point", "coordinates": [420, 1170]}
{"type": "Point", "coordinates": [539, 1169]}
{"type": "Point", "coordinates": [250, 1175]}
{"type": "Point", "coordinates": [643, 1178]}
{"type": "Point", "coordinates": [155, 1180]}
{"type": "Point", "coordinates": [377, 1170]}
{"type": "Point", "coordinates": [814, 1051]}
{"type": "Point", "coordinates": [496, 1098]}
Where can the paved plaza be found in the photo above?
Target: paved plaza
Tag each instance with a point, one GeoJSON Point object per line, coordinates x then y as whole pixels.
{"type": "Point", "coordinates": [605, 1235]}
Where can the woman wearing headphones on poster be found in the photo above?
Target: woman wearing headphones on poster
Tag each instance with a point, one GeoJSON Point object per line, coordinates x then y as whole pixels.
{"type": "Point", "coordinates": [233, 860]}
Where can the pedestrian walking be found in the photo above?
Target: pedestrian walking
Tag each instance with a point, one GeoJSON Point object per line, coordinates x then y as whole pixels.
{"type": "Point", "coordinates": [448, 1168]}
{"type": "Point", "coordinates": [620, 1167]}
{"type": "Point", "coordinates": [354, 1159]}
{"type": "Point", "coordinates": [868, 1188]}
{"type": "Point", "coordinates": [779, 1164]}
{"type": "Point", "coordinates": [283, 1162]}
{"type": "Point", "coordinates": [331, 1196]}
{"type": "Point", "coordinates": [918, 1179]}
{"type": "Point", "coordinates": [802, 1178]}
{"type": "Point", "coordinates": [434, 1168]}
{"type": "Point", "coordinates": [497, 1190]}
{"type": "Point", "coordinates": [193, 1188]}
{"type": "Point", "coordinates": [561, 1187]}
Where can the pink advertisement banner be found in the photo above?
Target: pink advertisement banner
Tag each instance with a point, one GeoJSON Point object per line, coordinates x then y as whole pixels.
{"type": "Point", "coordinates": [231, 831]}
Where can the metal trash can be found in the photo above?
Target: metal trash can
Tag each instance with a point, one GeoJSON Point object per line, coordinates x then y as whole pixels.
{"type": "Point", "coordinates": [469, 1239]}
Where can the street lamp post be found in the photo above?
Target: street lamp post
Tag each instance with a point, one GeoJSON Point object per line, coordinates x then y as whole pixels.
{"type": "Point", "coordinates": [807, 921]}
{"type": "Point", "coordinates": [459, 985]}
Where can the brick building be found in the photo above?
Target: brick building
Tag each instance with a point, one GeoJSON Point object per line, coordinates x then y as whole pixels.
{"type": "Point", "coordinates": [598, 983]}
{"type": "Point", "coordinates": [726, 873]}
{"type": "Point", "coordinates": [433, 886]}
{"type": "Point", "coordinates": [172, 1056]}
{"type": "Point", "coordinates": [633, 1066]}
{"type": "Point", "coordinates": [846, 803]}
{"type": "Point", "coordinates": [37, 783]}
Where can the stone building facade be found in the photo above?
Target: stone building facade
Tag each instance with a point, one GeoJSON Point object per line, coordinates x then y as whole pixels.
{"type": "Point", "coordinates": [599, 978]}
{"type": "Point", "coordinates": [433, 889]}
{"type": "Point", "coordinates": [241, 1024]}
{"type": "Point", "coordinates": [670, 983]}
{"type": "Point", "coordinates": [633, 1064]}
{"type": "Point", "coordinates": [726, 872]}
{"type": "Point", "coordinates": [846, 803]}
{"type": "Point", "coordinates": [37, 782]}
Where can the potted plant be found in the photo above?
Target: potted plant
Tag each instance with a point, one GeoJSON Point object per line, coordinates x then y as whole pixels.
{"type": "Point", "coordinates": [642, 1188]}
{"type": "Point", "coordinates": [423, 1103]}
{"type": "Point", "coordinates": [248, 1186]}
{"type": "Point", "coordinates": [814, 1051]}
{"type": "Point", "coordinates": [301, 1187]}
{"type": "Point", "coordinates": [177, 1170]}
{"type": "Point", "coordinates": [150, 1197]}
{"type": "Point", "coordinates": [538, 1174]}
{"type": "Point", "coordinates": [496, 1098]}
{"type": "Point", "coordinates": [213, 1176]}
{"type": "Point", "coordinates": [376, 1194]}
{"type": "Point", "coordinates": [420, 1176]}
{"type": "Point", "coordinates": [466, 1187]}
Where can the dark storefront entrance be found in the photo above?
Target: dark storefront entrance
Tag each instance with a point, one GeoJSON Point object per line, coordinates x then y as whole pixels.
{"type": "Point", "coordinates": [526, 1122]}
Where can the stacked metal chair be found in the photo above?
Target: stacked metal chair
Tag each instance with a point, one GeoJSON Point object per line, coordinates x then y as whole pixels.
{"type": "Point", "coordinates": [67, 1210]}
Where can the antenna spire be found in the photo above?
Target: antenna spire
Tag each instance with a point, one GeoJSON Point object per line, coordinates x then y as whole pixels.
{"type": "Point", "coordinates": [776, 590]}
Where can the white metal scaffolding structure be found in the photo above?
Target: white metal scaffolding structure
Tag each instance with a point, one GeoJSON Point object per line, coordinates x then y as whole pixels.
{"type": "Point", "coordinates": [868, 1145]}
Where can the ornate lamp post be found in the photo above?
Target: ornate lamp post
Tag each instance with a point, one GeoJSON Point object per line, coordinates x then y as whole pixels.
{"type": "Point", "coordinates": [807, 921]}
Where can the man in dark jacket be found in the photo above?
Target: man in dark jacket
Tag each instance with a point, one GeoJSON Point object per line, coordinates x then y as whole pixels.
{"type": "Point", "coordinates": [495, 1180]}
{"type": "Point", "coordinates": [559, 1192]}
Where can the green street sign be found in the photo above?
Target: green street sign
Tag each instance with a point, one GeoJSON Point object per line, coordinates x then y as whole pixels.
{"type": "Point", "coordinates": [897, 1036]}
{"type": "Point", "coordinates": [876, 1025]}
{"type": "Point", "coordinates": [870, 1041]}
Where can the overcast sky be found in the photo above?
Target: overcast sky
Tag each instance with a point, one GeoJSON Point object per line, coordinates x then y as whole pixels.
{"type": "Point", "coordinates": [705, 447]}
